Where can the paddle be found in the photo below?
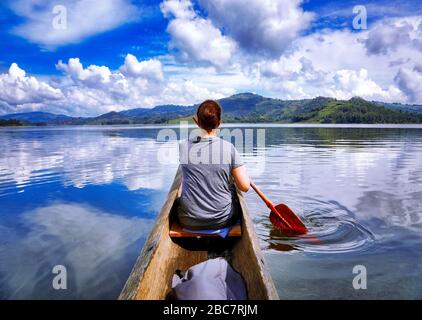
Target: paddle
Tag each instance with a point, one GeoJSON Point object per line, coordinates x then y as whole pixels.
{"type": "Point", "coordinates": [281, 216]}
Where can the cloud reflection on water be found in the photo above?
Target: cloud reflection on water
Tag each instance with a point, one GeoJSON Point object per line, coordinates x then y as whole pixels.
{"type": "Point", "coordinates": [360, 188]}
{"type": "Point", "coordinates": [80, 158]}
{"type": "Point", "coordinates": [350, 172]}
{"type": "Point", "coordinates": [94, 246]}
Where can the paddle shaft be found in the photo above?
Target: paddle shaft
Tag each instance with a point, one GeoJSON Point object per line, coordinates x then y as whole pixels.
{"type": "Point", "coordinates": [269, 203]}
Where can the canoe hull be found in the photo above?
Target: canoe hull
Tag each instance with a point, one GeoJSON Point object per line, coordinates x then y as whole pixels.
{"type": "Point", "coordinates": [151, 276]}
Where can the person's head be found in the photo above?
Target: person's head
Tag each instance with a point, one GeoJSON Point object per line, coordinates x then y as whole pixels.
{"type": "Point", "coordinates": [208, 115]}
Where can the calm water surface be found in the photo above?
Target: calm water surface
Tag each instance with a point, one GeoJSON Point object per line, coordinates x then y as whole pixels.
{"type": "Point", "coordinates": [87, 197]}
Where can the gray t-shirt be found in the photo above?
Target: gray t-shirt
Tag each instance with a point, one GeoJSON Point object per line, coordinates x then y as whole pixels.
{"type": "Point", "coordinates": [207, 191]}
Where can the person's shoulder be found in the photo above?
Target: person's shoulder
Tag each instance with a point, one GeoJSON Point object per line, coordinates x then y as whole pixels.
{"type": "Point", "coordinates": [227, 145]}
{"type": "Point", "coordinates": [224, 142]}
{"type": "Point", "coordinates": [187, 143]}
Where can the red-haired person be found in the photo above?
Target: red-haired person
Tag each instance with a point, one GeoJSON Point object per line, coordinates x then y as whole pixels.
{"type": "Point", "coordinates": [208, 164]}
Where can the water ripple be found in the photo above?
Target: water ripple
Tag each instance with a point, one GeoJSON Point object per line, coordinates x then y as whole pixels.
{"type": "Point", "coordinates": [332, 229]}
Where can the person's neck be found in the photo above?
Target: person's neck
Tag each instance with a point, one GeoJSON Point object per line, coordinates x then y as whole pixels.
{"type": "Point", "coordinates": [210, 134]}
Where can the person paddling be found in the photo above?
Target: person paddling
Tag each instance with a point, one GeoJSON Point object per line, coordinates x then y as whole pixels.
{"type": "Point", "coordinates": [208, 164]}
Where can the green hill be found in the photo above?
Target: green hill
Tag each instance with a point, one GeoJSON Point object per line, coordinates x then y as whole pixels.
{"type": "Point", "coordinates": [357, 110]}
{"type": "Point", "coordinates": [318, 110]}
{"type": "Point", "coordinates": [251, 108]}
{"type": "Point", "coordinates": [10, 123]}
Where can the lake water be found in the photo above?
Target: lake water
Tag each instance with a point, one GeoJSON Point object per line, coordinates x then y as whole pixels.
{"type": "Point", "coordinates": [86, 198]}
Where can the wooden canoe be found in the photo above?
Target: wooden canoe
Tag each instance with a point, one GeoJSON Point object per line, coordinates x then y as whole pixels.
{"type": "Point", "coordinates": [161, 256]}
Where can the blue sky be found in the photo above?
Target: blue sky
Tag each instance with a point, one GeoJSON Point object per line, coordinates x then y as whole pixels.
{"type": "Point", "coordinates": [119, 54]}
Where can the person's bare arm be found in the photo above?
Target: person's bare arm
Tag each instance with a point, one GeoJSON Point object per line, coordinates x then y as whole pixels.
{"type": "Point", "coordinates": [241, 178]}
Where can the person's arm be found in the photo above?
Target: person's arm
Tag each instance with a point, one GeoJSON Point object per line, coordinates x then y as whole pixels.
{"type": "Point", "coordinates": [241, 178]}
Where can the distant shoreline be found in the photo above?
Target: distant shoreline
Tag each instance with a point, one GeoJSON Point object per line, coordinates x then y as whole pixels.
{"type": "Point", "coordinates": [229, 125]}
{"type": "Point", "coordinates": [245, 108]}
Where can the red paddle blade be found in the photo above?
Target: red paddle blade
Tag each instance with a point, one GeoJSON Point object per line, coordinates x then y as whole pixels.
{"type": "Point", "coordinates": [287, 221]}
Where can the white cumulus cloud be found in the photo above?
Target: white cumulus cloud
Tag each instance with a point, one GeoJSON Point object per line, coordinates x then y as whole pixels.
{"type": "Point", "coordinates": [92, 90]}
{"type": "Point", "coordinates": [410, 82]}
{"type": "Point", "coordinates": [99, 89]}
{"type": "Point", "coordinates": [350, 83]}
{"type": "Point", "coordinates": [257, 27]}
{"type": "Point", "coordinates": [17, 88]}
{"type": "Point", "coordinates": [391, 34]}
{"type": "Point", "coordinates": [151, 69]}
{"type": "Point", "coordinates": [338, 64]}
{"type": "Point", "coordinates": [196, 38]}
{"type": "Point", "coordinates": [223, 54]}
{"type": "Point", "coordinates": [92, 76]}
{"type": "Point", "coordinates": [80, 19]}
{"type": "Point", "coordinates": [260, 26]}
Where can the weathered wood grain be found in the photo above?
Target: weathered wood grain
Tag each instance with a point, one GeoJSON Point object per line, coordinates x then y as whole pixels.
{"type": "Point", "coordinates": [151, 276]}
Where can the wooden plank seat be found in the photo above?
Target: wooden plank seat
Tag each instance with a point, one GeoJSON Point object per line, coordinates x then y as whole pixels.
{"type": "Point", "coordinates": [177, 231]}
